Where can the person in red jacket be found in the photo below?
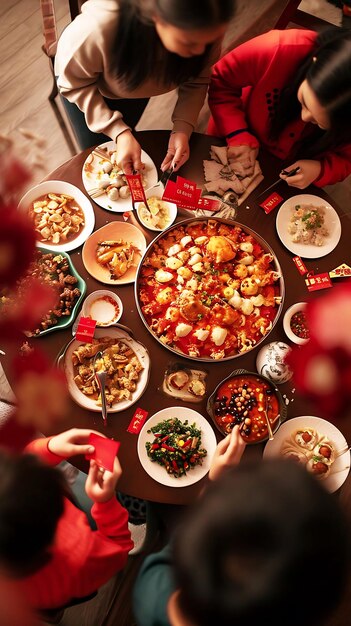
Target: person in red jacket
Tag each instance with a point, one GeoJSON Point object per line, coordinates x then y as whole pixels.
{"type": "Point", "coordinates": [289, 92]}
{"type": "Point", "coordinates": [46, 542]}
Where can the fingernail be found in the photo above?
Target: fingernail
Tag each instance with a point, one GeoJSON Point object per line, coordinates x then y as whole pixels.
{"type": "Point", "coordinates": [91, 449]}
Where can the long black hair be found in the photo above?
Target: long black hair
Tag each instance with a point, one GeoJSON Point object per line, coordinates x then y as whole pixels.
{"type": "Point", "coordinates": [138, 53]}
{"type": "Point", "coordinates": [327, 70]}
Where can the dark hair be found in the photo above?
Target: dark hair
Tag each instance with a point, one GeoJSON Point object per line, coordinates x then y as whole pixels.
{"type": "Point", "coordinates": [262, 540]}
{"type": "Point", "coordinates": [138, 52]}
{"type": "Point", "coordinates": [31, 503]}
{"type": "Point", "coordinates": [327, 70]}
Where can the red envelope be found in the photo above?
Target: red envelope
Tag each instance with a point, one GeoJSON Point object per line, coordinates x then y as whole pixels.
{"type": "Point", "coordinates": [105, 451]}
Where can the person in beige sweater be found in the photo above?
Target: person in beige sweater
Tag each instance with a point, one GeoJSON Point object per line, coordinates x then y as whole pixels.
{"type": "Point", "coordinates": [118, 53]}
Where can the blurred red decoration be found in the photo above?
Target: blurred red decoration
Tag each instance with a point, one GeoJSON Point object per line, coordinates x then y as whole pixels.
{"type": "Point", "coordinates": [40, 389]}
{"type": "Point", "coordinates": [322, 367]}
{"type": "Point", "coordinates": [17, 244]}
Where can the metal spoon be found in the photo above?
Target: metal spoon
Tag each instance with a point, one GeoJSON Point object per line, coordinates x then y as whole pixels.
{"type": "Point", "coordinates": [101, 376]}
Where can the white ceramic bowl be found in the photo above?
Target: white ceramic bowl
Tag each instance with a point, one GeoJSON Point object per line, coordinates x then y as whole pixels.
{"type": "Point", "coordinates": [156, 192]}
{"type": "Point", "coordinates": [299, 306]}
{"type": "Point", "coordinates": [104, 306]}
{"type": "Point", "coordinates": [58, 187]}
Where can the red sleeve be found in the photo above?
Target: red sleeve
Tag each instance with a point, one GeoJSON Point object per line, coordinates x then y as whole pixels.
{"type": "Point", "coordinates": [242, 67]}
{"type": "Point", "coordinates": [336, 166]}
{"type": "Point", "coordinates": [108, 547]}
{"type": "Point", "coordinates": [39, 447]}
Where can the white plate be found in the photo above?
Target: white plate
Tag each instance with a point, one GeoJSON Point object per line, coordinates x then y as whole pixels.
{"type": "Point", "coordinates": [332, 223]}
{"type": "Point", "coordinates": [341, 465]}
{"type": "Point", "coordinates": [111, 232]}
{"type": "Point", "coordinates": [90, 404]}
{"type": "Point", "coordinates": [60, 186]}
{"type": "Point", "coordinates": [159, 473]}
{"type": "Point", "coordinates": [121, 205]}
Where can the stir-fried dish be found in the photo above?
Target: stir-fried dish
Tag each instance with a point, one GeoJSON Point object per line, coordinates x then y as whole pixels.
{"type": "Point", "coordinates": [307, 225]}
{"type": "Point", "coordinates": [176, 446]}
{"type": "Point", "coordinates": [118, 360]}
{"type": "Point", "coordinates": [209, 289]}
{"type": "Point", "coordinates": [57, 218]}
{"type": "Point", "coordinates": [54, 270]}
{"type": "Point", "coordinates": [117, 256]}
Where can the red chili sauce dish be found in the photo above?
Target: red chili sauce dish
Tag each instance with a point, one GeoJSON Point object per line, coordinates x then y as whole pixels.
{"type": "Point", "coordinates": [298, 325]}
{"type": "Point", "coordinates": [242, 400]}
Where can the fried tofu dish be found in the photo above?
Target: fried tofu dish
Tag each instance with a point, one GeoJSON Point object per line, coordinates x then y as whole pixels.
{"type": "Point", "coordinates": [118, 360]}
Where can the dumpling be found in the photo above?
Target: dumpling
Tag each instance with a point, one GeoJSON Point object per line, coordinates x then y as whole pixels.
{"type": "Point", "coordinates": [318, 467]}
{"type": "Point", "coordinates": [306, 438]}
{"type": "Point", "coordinates": [182, 330]}
{"type": "Point", "coordinates": [218, 335]}
{"type": "Point", "coordinates": [289, 452]}
{"type": "Point", "coordinates": [325, 450]}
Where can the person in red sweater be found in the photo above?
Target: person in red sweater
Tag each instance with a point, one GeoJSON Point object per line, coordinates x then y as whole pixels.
{"type": "Point", "coordinates": [46, 542]}
{"type": "Point", "coordinates": [288, 91]}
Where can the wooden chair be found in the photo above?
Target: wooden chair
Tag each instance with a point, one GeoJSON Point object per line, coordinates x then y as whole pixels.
{"type": "Point", "coordinates": [50, 47]}
{"type": "Point", "coordinates": [293, 14]}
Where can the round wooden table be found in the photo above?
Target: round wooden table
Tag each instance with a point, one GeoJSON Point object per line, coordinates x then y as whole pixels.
{"type": "Point", "coordinates": [135, 481]}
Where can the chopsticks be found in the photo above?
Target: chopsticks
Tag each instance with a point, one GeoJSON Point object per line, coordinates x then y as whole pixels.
{"type": "Point", "coordinates": [287, 174]}
{"type": "Point", "coordinates": [269, 427]}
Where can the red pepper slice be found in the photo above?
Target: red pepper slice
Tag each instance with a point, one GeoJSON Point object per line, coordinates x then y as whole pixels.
{"type": "Point", "coordinates": [165, 447]}
{"type": "Point", "coordinates": [165, 438]}
{"type": "Point", "coordinates": [187, 443]}
{"type": "Point", "coordinates": [155, 446]}
{"type": "Point", "coordinates": [175, 466]}
{"type": "Point", "coordinates": [158, 435]}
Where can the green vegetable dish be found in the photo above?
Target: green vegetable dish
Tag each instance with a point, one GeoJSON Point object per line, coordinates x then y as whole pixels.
{"type": "Point", "coordinates": [176, 446]}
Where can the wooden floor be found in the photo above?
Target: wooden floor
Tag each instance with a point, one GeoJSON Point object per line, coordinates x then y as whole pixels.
{"type": "Point", "coordinates": [25, 82]}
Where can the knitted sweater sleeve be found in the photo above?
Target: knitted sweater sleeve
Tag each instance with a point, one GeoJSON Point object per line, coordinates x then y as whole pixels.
{"type": "Point", "coordinates": [82, 57]}
{"type": "Point", "coordinates": [191, 97]}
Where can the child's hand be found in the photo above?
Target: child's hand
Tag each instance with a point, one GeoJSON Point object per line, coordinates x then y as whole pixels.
{"type": "Point", "coordinates": [228, 453]}
{"type": "Point", "coordinates": [308, 173]}
{"type": "Point", "coordinates": [101, 484]}
{"type": "Point", "coordinates": [72, 442]}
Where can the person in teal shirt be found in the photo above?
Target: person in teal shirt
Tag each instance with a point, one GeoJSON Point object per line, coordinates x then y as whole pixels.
{"type": "Point", "coordinates": [265, 544]}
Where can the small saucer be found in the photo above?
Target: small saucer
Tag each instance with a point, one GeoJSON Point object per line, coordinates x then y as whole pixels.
{"type": "Point", "coordinates": [295, 308]}
{"type": "Point", "coordinates": [104, 306]}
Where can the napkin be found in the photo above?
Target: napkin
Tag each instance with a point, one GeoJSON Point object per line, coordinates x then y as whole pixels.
{"type": "Point", "coordinates": [224, 172]}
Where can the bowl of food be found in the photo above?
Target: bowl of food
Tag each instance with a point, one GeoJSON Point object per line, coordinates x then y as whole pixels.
{"type": "Point", "coordinates": [113, 252]}
{"type": "Point", "coordinates": [104, 306]}
{"type": "Point", "coordinates": [56, 270]}
{"type": "Point", "coordinates": [209, 289]}
{"type": "Point", "coordinates": [62, 215]}
{"type": "Point", "coordinates": [159, 214]}
{"type": "Point", "coordinates": [247, 399]}
{"type": "Point", "coordinates": [295, 323]}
